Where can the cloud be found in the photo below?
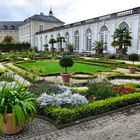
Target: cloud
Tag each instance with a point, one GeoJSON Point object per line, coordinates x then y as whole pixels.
{"type": "Point", "coordinates": [66, 10]}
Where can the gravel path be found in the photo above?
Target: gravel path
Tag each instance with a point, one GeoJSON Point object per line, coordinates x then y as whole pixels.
{"type": "Point", "coordinates": [123, 125]}
{"type": "Point", "coordinates": [120, 125]}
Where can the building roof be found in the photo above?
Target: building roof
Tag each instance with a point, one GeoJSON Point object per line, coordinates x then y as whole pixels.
{"type": "Point", "coordinates": [10, 25]}
{"type": "Point", "coordinates": [45, 18]}
{"type": "Point", "coordinates": [96, 19]}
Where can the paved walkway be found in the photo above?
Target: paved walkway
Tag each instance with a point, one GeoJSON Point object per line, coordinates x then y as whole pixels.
{"type": "Point", "coordinates": [121, 125]}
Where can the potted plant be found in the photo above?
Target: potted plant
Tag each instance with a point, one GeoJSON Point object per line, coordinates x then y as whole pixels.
{"type": "Point", "coordinates": [122, 39]}
{"type": "Point", "coordinates": [52, 42]}
{"type": "Point", "coordinates": [17, 108]}
{"type": "Point", "coordinates": [99, 47]}
{"type": "Point", "coordinates": [60, 40]}
{"type": "Point", "coordinates": [54, 56]}
{"type": "Point", "coordinates": [46, 49]}
{"type": "Point", "coordinates": [133, 57]}
{"type": "Point", "coordinates": [70, 48]}
{"type": "Point", "coordinates": [66, 62]}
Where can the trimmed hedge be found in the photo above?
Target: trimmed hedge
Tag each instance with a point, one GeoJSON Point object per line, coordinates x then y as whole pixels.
{"type": "Point", "coordinates": [26, 75]}
{"type": "Point", "coordinates": [122, 77]}
{"type": "Point", "coordinates": [7, 47]}
{"type": "Point", "coordinates": [84, 77]}
{"type": "Point", "coordinates": [66, 115]}
{"type": "Point", "coordinates": [106, 63]}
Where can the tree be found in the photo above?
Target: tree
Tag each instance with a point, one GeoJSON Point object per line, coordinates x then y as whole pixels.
{"type": "Point", "coordinates": [60, 40]}
{"type": "Point", "coordinates": [122, 39]}
{"type": "Point", "coordinates": [99, 47]}
{"type": "Point", "coordinates": [8, 39]}
{"type": "Point", "coordinates": [52, 42]}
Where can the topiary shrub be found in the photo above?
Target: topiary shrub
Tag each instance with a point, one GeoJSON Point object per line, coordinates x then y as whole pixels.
{"type": "Point", "coordinates": [133, 57]}
{"type": "Point", "coordinates": [65, 62]}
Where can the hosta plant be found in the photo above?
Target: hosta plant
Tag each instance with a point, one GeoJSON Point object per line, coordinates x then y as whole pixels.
{"type": "Point", "coordinates": [18, 102]}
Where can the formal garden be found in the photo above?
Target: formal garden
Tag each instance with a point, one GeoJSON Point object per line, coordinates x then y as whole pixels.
{"type": "Point", "coordinates": [64, 87]}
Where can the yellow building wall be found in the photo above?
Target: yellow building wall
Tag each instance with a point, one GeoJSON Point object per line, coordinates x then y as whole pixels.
{"type": "Point", "coordinates": [35, 26]}
{"type": "Point", "coordinates": [12, 33]}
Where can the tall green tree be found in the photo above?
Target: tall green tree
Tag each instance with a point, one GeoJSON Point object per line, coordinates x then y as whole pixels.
{"type": "Point", "coordinates": [8, 39]}
{"type": "Point", "coordinates": [122, 39]}
{"type": "Point", "coordinates": [99, 47]}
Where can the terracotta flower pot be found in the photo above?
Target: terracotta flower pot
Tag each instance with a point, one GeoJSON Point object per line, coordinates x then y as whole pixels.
{"type": "Point", "coordinates": [132, 69]}
{"type": "Point", "coordinates": [7, 127]}
{"type": "Point", "coordinates": [66, 77]}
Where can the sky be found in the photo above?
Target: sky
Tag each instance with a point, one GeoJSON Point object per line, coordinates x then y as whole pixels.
{"type": "Point", "coordinates": [68, 11]}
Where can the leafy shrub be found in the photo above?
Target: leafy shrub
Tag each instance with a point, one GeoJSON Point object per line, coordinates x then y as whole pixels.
{"type": "Point", "coordinates": [65, 99]}
{"type": "Point", "coordinates": [43, 86]}
{"type": "Point", "coordinates": [31, 55]}
{"type": "Point", "coordinates": [65, 115]}
{"type": "Point", "coordinates": [101, 90]}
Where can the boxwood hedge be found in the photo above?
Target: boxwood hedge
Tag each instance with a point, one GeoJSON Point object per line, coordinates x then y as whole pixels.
{"type": "Point", "coordinates": [66, 115]}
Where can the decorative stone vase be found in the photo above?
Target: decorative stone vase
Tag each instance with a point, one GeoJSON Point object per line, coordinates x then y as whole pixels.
{"type": "Point", "coordinates": [8, 128]}
{"type": "Point", "coordinates": [132, 69]}
{"type": "Point", "coordinates": [66, 77]}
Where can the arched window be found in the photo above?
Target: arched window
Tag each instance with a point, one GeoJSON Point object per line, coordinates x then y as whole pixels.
{"type": "Point", "coordinates": [36, 41]}
{"type": "Point", "coordinates": [51, 37]}
{"type": "Point", "coordinates": [88, 39]}
{"type": "Point", "coordinates": [104, 34]}
{"type": "Point", "coordinates": [76, 40]}
{"type": "Point", "coordinates": [123, 25]}
{"type": "Point", "coordinates": [41, 43]}
{"type": "Point", "coordinates": [67, 37]}
{"type": "Point", "coordinates": [46, 39]}
{"type": "Point", "coordinates": [58, 36]}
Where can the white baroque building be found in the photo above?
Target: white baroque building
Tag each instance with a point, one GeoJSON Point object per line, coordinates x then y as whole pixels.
{"type": "Point", "coordinates": [82, 34]}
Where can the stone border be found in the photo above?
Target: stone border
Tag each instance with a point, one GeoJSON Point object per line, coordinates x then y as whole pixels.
{"type": "Point", "coordinates": [89, 118]}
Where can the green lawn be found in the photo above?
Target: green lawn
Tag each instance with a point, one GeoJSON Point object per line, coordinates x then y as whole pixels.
{"type": "Point", "coordinates": [50, 67]}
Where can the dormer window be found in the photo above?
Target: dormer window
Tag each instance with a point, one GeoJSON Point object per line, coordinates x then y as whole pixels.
{"type": "Point", "coordinates": [5, 27]}
{"type": "Point", "coordinates": [12, 27]}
